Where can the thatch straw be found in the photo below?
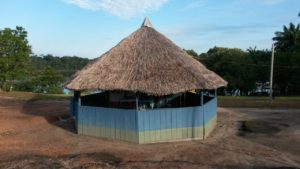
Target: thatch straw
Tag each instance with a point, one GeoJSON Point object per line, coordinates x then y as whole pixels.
{"type": "Point", "coordinates": [146, 62]}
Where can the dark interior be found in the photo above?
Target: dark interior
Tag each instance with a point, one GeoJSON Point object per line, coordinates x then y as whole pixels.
{"type": "Point", "coordinates": [129, 100]}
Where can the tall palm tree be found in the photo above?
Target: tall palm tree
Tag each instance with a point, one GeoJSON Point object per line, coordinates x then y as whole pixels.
{"type": "Point", "coordinates": [288, 38]}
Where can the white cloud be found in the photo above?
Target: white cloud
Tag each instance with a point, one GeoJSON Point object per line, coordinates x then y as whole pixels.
{"type": "Point", "coordinates": [85, 4]}
{"type": "Point", "coordinates": [120, 8]}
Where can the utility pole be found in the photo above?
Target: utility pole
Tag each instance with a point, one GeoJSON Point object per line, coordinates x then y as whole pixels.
{"type": "Point", "coordinates": [271, 73]}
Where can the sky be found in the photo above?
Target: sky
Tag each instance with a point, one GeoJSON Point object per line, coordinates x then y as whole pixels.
{"type": "Point", "coordinates": [88, 28]}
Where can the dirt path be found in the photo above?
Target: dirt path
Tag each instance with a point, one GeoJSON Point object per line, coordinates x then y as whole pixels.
{"type": "Point", "coordinates": [38, 134]}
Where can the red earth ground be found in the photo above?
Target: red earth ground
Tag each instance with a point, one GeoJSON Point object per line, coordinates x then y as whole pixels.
{"type": "Point", "coordinates": [39, 134]}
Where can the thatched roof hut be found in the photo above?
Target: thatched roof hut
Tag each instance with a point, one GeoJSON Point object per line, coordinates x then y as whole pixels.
{"type": "Point", "coordinates": [148, 62]}
{"type": "Point", "coordinates": [145, 82]}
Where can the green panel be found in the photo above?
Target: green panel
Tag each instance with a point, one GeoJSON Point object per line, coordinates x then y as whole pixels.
{"type": "Point", "coordinates": [172, 135]}
{"type": "Point", "coordinates": [189, 132]}
{"type": "Point", "coordinates": [79, 129]}
{"type": "Point", "coordinates": [166, 134]}
{"type": "Point", "coordinates": [94, 131]}
{"type": "Point", "coordinates": [157, 135]}
{"type": "Point", "coordinates": [141, 137]}
{"type": "Point", "coordinates": [151, 136]}
{"type": "Point", "coordinates": [210, 126]}
{"type": "Point", "coordinates": [185, 133]}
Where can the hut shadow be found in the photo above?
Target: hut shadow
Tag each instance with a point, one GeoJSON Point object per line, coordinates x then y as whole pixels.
{"type": "Point", "coordinates": [55, 112]}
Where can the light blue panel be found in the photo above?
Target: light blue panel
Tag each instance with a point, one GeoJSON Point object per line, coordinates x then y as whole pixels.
{"type": "Point", "coordinates": [92, 120]}
{"type": "Point", "coordinates": [152, 120]}
{"type": "Point", "coordinates": [98, 123]}
{"type": "Point", "coordinates": [163, 121]}
{"type": "Point", "coordinates": [157, 119]}
{"type": "Point", "coordinates": [91, 117]}
{"type": "Point", "coordinates": [140, 120]}
{"type": "Point", "coordinates": [133, 125]}
{"type": "Point", "coordinates": [123, 116]}
{"type": "Point", "coordinates": [194, 118]}
{"type": "Point", "coordinates": [169, 118]}
{"type": "Point", "coordinates": [147, 121]}
{"type": "Point", "coordinates": [82, 111]}
{"type": "Point", "coordinates": [183, 118]}
{"type": "Point", "coordinates": [108, 123]}
{"type": "Point", "coordinates": [210, 109]}
{"type": "Point", "coordinates": [125, 127]}
{"type": "Point", "coordinates": [117, 118]}
{"type": "Point", "coordinates": [113, 124]}
{"type": "Point", "coordinates": [198, 118]}
{"type": "Point", "coordinates": [174, 119]}
{"type": "Point", "coordinates": [109, 118]}
{"type": "Point", "coordinates": [79, 122]}
{"type": "Point", "coordinates": [168, 115]}
{"type": "Point", "coordinates": [189, 118]}
{"type": "Point", "coordinates": [157, 124]}
{"type": "Point", "coordinates": [180, 113]}
{"type": "Point", "coordinates": [102, 119]}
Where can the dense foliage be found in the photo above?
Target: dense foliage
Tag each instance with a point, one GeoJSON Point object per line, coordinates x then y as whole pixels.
{"type": "Point", "coordinates": [21, 71]}
{"type": "Point", "coordinates": [65, 66]}
{"type": "Point", "coordinates": [287, 62]}
{"type": "Point", "coordinates": [14, 56]}
{"type": "Point", "coordinates": [242, 69]}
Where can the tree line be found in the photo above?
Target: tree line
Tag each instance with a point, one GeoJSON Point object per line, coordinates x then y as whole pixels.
{"type": "Point", "coordinates": [20, 70]}
{"type": "Point", "coordinates": [249, 70]}
{"type": "Point", "coordinates": [245, 71]}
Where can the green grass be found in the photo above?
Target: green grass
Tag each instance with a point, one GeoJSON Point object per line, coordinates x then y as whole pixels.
{"type": "Point", "coordinates": [259, 102]}
{"type": "Point", "coordinates": [34, 96]}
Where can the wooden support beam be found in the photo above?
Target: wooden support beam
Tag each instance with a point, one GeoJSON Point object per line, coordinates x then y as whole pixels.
{"type": "Point", "coordinates": [137, 102]}
{"type": "Point", "coordinates": [76, 103]}
{"type": "Point", "coordinates": [203, 114]}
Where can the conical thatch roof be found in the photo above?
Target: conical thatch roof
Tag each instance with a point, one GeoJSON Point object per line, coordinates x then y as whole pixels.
{"type": "Point", "coordinates": [148, 62]}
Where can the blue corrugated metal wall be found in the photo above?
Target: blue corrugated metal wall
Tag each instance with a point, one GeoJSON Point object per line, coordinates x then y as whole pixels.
{"type": "Point", "coordinates": [148, 125]}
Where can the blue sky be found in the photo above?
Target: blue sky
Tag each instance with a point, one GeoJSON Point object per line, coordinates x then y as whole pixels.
{"type": "Point", "coordinates": [88, 28]}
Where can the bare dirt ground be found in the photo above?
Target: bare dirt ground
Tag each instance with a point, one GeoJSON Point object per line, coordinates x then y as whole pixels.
{"type": "Point", "coordinates": [39, 134]}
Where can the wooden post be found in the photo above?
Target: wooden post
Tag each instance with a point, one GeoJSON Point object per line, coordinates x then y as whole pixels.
{"type": "Point", "coordinates": [136, 102]}
{"type": "Point", "coordinates": [203, 114]}
{"type": "Point", "coordinates": [76, 103]}
{"type": "Point", "coordinates": [271, 73]}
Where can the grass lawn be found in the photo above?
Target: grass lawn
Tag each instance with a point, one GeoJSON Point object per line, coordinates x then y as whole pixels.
{"type": "Point", "coordinates": [34, 96]}
{"type": "Point", "coordinates": [259, 102]}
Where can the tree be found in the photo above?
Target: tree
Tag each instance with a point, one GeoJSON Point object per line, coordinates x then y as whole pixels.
{"type": "Point", "coordinates": [47, 81]}
{"type": "Point", "coordinates": [66, 65]}
{"type": "Point", "coordinates": [14, 55]}
{"type": "Point", "coordinates": [288, 38]}
{"type": "Point", "coordinates": [192, 53]}
{"type": "Point", "coordinates": [260, 60]}
{"type": "Point", "coordinates": [287, 62]}
{"type": "Point", "coordinates": [233, 65]}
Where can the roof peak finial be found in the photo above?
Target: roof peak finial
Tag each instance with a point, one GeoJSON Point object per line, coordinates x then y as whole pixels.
{"type": "Point", "coordinates": [147, 23]}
